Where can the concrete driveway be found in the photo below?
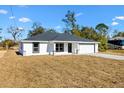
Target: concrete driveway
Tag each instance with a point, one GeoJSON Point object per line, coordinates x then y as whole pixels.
{"type": "Point", "coordinates": [109, 56]}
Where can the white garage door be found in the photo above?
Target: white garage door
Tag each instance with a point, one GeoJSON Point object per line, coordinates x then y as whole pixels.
{"type": "Point", "coordinates": [86, 48]}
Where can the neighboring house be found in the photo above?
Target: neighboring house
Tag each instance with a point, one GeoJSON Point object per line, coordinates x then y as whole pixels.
{"type": "Point", "coordinates": [53, 43]}
{"type": "Point", "coordinates": [116, 43]}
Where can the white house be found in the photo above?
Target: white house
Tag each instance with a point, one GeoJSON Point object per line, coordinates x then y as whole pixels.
{"type": "Point", "coordinates": [52, 43]}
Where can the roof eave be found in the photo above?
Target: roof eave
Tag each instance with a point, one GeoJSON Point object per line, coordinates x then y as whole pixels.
{"type": "Point", "coordinates": [58, 41]}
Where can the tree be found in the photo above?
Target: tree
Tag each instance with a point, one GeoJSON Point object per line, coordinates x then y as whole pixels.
{"type": "Point", "coordinates": [8, 43]}
{"type": "Point", "coordinates": [15, 32]}
{"type": "Point", "coordinates": [102, 29]}
{"type": "Point", "coordinates": [51, 30]}
{"type": "Point", "coordinates": [36, 29]}
{"type": "Point", "coordinates": [89, 33]}
{"type": "Point", "coordinates": [118, 34]}
{"type": "Point", "coordinates": [102, 36]}
{"type": "Point", "coordinates": [0, 32]}
{"type": "Point", "coordinates": [76, 32]}
{"type": "Point", "coordinates": [115, 33]}
{"type": "Point", "coordinates": [70, 21]}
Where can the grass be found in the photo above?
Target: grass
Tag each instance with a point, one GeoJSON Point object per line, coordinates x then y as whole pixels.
{"type": "Point", "coordinates": [60, 71]}
{"type": "Point", "coordinates": [115, 52]}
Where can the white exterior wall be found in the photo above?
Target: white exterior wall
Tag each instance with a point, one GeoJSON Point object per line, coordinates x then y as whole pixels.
{"type": "Point", "coordinates": [27, 49]}
{"type": "Point", "coordinates": [48, 48]}
{"type": "Point", "coordinates": [96, 48]}
{"type": "Point", "coordinates": [44, 49]}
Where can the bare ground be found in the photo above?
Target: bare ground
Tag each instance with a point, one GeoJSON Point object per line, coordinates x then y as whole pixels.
{"type": "Point", "coordinates": [2, 53]}
{"type": "Point", "coordinates": [60, 71]}
{"type": "Point", "coordinates": [115, 52]}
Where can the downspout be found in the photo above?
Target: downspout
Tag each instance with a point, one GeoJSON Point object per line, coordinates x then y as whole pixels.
{"type": "Point", "coordinates": [53, 49]}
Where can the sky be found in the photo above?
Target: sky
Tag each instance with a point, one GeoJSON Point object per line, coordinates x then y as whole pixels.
{"type": "Point", "coordinates": [51, 17]}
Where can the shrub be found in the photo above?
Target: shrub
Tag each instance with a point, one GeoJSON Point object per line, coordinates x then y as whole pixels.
{"type": "Point", "coordinates": [8, 43]}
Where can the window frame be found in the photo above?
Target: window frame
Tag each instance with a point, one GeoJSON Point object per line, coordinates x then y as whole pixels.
{"type": "Point", "coordinates": [36, 47]}
{"type": "Point", "coordinates": [59, 47]}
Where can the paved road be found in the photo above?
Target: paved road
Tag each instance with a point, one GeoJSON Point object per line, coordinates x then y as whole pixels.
{"type": "Point", "coordinates": [109, 56]}
{"type": "Point", "coordinates": [2, 53]}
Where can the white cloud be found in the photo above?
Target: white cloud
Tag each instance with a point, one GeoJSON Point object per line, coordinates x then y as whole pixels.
{"type": "Point", "coordinates": [114, 23]}
{"type": "Point", "coordinates": [78, 14]}
{"type": "Point", "coordinates": [118, 18]}
{"type": "Point", "coordinates": [24, 20]}
{"type": "Point", "coordinates": [12, 17]}
{"type": "Point", "coordinates": [58, 27]}
{"type": "Point", "coordinates": [20, 28]}
{"type": "Point", "coordinates": [2, 11]}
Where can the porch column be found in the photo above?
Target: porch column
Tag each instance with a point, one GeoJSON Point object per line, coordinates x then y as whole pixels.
{"type": "Point", "coordinates": [75, 48]}
{"type": "Point", "coordinates": [51, 48]}
{"type": "Point", "coordinates": [65, 47]}
{"type": "Point", "coordinates": [54, 48]}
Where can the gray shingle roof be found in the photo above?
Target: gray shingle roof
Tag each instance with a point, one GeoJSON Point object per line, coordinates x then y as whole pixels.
{"type": "Point", "coordinates": [51, 36]}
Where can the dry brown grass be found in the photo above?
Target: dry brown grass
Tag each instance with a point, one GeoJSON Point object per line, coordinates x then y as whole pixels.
{"type": "Point", "coordinates": [115, 52]}
{"type": "Point", "coordinates": [60, 71]}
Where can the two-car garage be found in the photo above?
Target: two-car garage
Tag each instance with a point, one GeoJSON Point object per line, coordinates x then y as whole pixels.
{"type": "Point", "coordinates": [87, 48]}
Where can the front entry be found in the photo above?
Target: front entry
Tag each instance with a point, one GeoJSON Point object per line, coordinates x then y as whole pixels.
{"type": "Point", "coordinates": [69, 47]}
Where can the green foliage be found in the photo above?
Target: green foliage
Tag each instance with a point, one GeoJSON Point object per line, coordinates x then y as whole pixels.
{"type": "Point", "coordinates": [70, 21]}
{"type": "Point", "coordinates": [8, 43]}
{"type": "Point", "coordinates": [76, 32]}
{"type": "Point", "coordinates": [102, 29]}
{"type": "Point", "coordinates": [0, 37]}
{"type": "Point", "coordinates": [118, 34]}
{"type": "Point", "coordinates": [100, 33]}
{"type": "Point", "coordinates": [36, 29]}
{"type": "Point", "coordinates": [89, 33]}
{"type": "Point", "coordinates": [51, 30]}
{"type": "Point", "coordinates": [103, 43]}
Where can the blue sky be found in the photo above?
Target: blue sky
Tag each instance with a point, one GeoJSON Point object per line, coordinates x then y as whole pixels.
{"type": "Point", "coordinates": [51, 17]}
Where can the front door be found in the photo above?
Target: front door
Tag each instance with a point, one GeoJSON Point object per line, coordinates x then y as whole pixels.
{"type": "Point", "coordinates": [69, 47]}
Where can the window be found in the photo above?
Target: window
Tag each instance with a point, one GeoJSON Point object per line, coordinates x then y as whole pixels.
{"type": "Point", "coordinates": [35, 47]}
{"type": "Point", "coordinates": [59, 47]}
{"type": "Point", "coordinates": [122, 42]}
{"type": "Point", "coordinates": [116, 42]}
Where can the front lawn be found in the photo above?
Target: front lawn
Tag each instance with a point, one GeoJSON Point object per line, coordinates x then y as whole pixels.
{"type": "Point", "coordinates": [115, 52]}
{"type": "Point", "coordinates": [60, 71]}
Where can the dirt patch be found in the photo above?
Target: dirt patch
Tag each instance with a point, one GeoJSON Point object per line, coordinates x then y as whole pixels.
{"type": "Point", "coordinates": [60, 71]}
{"type": "Point", "coordinates": [2, 53]}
